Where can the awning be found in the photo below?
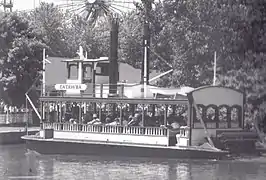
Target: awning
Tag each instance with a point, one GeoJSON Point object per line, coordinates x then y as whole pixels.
{"type": "Point", "coordinates": [136, 91]}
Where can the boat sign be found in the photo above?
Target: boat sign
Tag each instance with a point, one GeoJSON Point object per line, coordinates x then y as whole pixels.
{"type": "Point", "coordinates": [66, 87]}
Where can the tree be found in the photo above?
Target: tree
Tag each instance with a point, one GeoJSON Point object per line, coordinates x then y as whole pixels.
{"type": "Point", "coordinates": [21, 57]}
{"type": "Point", "coordinates": [51, 23]}
{"type": "Point", "coordinates": [249, 75]}
{"type": "Point", "coordinates": [130, 39]}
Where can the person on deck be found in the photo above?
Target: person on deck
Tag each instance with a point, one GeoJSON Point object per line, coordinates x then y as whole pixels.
{"type": "Point", "coordinates": [108, 119]}
{"type": "Point", "coordinates": [126, 121]}
{"type": "Point", "coordinates": [135, 120]}
{"type": "Point", "coordinates": [95, 120]}
{"type": "Point", "coordinates": [114, 123]}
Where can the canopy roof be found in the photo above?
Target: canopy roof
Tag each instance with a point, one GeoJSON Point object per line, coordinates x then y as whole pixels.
{"type": "Point", "coordinates": [136, 91]}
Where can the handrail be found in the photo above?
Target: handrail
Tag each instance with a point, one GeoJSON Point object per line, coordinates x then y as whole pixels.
{"type": "Point", "coordinates": [132, 130]}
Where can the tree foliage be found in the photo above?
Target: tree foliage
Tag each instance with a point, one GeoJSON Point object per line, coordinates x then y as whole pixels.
{"type": "Point", "coordinates": [20, 55]}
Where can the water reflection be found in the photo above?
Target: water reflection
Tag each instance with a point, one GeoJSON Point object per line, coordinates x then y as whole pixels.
{"type": "Point", "coordinates": [180, 171]}
{"type": "Point", "coordinates": [15, 162]}
{"type": "Point", "coordinates": [46, 168]}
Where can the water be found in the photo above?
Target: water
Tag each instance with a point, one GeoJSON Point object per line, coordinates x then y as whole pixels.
{"type": "Point", "coordinates": [15, 162]}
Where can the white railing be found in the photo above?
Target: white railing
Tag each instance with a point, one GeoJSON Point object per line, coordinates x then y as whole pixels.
{"type": "Point", "coordinates": [70, 127]}
{"type": "Point", "coordinates": [57, 126]}
{"type": "Point", "coordinates": [112, 129]}
{"type": "Point", "coordinates": [91, 128]}
{"type": "Point", "coordinates": [47, 126]}
{"type": "Point", "coordinates": [149, 131]}
{"type": "Point", "coordinates": [153, 131]}
{"type": "Point", "coordinates": [133, 130]}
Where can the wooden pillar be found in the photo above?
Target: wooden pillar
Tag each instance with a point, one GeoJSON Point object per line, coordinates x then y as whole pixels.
{"type": "Point", "coordinates": [143, 115]}
{"type": "Point", "coordinates": [153, 110]}
{"type": "Point", "coordinates": [58, 111]}
{"type": "Point", "coordinates": [61, 111]}
{"type": "Point", "coordinates": [216, 118]}
{"type": "Point", "coordinates": [84, 108]}
{"type": "Point", "coordinates": [80, 112]}
{"type": "Point", "coordinates": [122, 90]}
{"type": "Point", "coordinates": [121, 113]}
{"type": "Point", "coordinates": [189, 121]}
{"type": "Point", "coordinates": [68, 70]}
{"type": "Point", "coordinates": [174, 109]}
{"type": "Point", "coordinates": [42, 113]}
{"type": "Point", "coordinates": [100, 111]}
{"type": "Point", "coordinates": [132, 108]}
{"type": "Point", "coordinates": [165, 114]}
{"type": "Point", "coordinates": [101, 90]}
{"type": "Point", "coordinates": [228, 115]}
{"type": "Point", "coordinates": [94, 85]}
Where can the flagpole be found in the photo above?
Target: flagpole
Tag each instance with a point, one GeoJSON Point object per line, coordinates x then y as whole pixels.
{"type": "Point", "coordinates": [43, 80]}
{"type": "Point", "coordinates": [214, 70]}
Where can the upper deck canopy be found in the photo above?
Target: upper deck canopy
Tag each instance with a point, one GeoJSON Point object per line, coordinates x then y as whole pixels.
{"type": "Point", "coordinates": [152, 91]}
{"type": "Point", "coordinates": [132, 94]}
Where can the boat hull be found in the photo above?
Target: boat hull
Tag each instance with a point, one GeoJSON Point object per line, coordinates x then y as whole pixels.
{"type": "Point", "coordinates": [65, 147]}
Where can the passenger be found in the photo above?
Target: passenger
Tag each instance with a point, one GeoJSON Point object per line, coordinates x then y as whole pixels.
{"type": "Point", "coordinates": [108, 119]}
{"type": "Point", "coordinates": [87, 118]}
{"type": "Point", "coordinates": [125, 122]}
{"type": "Point", "coordinates": [114, 123]}
{"type": "Point", "coordinates": [135, 120]}
{"type": "Point", "coordinates": [175, 125]}
{"type": "Point", "coordinates": [71, 120]}
{"type": "Point", "coordinates": [95, 121]}
{"type": "Point", "coordinates": [130, 118]}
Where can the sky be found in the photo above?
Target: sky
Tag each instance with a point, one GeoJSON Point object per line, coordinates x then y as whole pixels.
{"type": "Point", "coordinates": [21, 5]}
{"type": "Point", "coordinates": [28, 4]}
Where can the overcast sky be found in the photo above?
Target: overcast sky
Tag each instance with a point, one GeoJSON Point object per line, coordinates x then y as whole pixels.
{"type": "Point", "coordinates": [30, 4]}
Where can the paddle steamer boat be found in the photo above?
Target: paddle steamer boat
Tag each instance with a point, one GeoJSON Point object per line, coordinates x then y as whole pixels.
{"type": "Point", "coordinates": [199, 136]}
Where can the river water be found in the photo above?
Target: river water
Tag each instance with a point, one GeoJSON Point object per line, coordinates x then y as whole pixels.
{"type": "Point", "coordinates": [16, 164]}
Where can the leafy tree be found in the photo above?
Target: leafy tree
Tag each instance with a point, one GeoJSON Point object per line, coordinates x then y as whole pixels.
{"type": "Point", "coordinates": [52, 23]}
{"type": "Point", "coordinates": [130, 39]}
{"type": "Point", "coordinates": [20, 55]}
{"type": "Point", "coordinates": [249, 76]}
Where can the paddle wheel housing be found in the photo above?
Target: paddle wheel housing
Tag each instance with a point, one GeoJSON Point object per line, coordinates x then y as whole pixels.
{"type": "Point", "coordinates": [225, 124]}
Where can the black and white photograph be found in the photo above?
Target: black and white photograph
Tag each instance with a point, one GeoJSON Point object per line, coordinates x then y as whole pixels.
{"type": "Point", "coordinates": [133, 89]}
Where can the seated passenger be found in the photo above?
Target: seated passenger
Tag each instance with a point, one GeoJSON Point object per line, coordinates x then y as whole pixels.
{"type": "Point", "coordinates": [175, 125]}
{"type": "Point", "coordinates": [108, 119]}
{"type": "Point", "coordinates": [75, 122]}
{"type": "Point", "coordinates": [114, 123]}
{"type": "Point", "coordinates": [125, 121]}
{"type": "Point", "coordinates": [95, 120]}
{"type": "Point", "coordinates": [87, 118]}
{"type": "Point", "coordinates": [71, 120]}
{"type": "Point", "coordinates": [135, 120]}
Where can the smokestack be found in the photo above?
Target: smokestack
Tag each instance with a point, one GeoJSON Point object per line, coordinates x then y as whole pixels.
{"type": "Point", "coordinates": [113, 57]}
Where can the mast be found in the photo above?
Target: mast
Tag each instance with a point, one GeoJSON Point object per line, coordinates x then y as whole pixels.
{"type": "Point", "coordinates": [146, 45]}
{"type": "Point", "coordinates": [43, 71]}
{"type": "Point", "coordinates": [44, 61]}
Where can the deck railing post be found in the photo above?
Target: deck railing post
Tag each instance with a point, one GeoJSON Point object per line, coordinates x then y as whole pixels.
{"type": "Point", "coordinates": [101, 90]}
{"type": "Point", "coordinates": [122, 90]}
